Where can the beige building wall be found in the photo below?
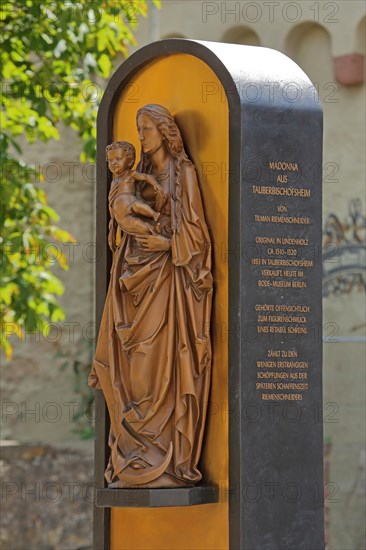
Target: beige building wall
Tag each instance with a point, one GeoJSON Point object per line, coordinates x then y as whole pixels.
{"type": "Point", "coordinates": [320, 37]}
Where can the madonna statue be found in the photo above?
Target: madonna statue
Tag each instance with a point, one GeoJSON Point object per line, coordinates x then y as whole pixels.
{"type": "Point", "coordinates": [153, 356]}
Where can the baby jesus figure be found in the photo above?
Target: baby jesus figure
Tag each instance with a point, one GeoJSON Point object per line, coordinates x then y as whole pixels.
{"type": "Point", "coordinates": [121, 157]}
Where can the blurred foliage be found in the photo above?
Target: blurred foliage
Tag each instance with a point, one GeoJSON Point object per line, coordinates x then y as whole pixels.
{"type": "Point", "coordinates": [54, 59]}
{"type": "Point", "coordinates": [80, 361]}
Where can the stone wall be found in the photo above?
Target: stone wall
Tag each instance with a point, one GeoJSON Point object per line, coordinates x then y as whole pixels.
{"type": "Point", "coordinates": [49, 496]}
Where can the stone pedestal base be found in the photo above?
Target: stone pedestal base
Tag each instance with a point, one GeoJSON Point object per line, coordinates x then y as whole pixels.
{"type": "Point", "coordinates": [155, 498]}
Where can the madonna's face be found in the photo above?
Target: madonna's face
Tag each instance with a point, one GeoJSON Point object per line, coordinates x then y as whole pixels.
{"type": "Point", "coordinates": [149, 135]}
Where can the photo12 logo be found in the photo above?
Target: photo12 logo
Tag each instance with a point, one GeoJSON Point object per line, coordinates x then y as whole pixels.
{"type": "Point", "coordinates": [270, 12]}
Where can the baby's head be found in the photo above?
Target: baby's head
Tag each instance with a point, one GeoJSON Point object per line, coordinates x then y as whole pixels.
{"type": "Point", "coordinates": [128, 151]}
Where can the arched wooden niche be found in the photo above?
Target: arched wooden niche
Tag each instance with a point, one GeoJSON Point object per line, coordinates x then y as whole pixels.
{"type": "Point", "coordinates": [252, 125]}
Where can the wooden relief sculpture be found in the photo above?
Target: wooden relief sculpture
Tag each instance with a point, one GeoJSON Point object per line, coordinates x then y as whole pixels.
{"type": "Point", "coordinates": [153, 357]}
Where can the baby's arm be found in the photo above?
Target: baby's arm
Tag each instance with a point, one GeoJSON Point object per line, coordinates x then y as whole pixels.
{"type": "Point", "coordinates": [150, 180]}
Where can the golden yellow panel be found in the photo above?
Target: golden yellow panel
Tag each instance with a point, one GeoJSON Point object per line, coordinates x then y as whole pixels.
{"type": "Point", "coordinates": [194, 95]}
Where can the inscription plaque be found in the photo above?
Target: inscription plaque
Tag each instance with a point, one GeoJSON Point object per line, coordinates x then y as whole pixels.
{"type": "Point", "coordinates": [282, 267]}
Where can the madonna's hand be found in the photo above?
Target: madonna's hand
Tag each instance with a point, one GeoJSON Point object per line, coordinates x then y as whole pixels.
{"type": "Point", "coordinates": [153, 243]}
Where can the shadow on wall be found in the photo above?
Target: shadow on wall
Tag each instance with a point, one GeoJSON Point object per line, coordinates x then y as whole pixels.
{"type": "Point", "coordinates": [361, 37]}
{"type": "Point", "coordinates": [241, 35]}
{"type": "Point", "coordinates": [309, 41]}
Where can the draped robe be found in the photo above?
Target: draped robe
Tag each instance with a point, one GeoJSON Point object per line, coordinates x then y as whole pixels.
{"type": "Point", "coordinates": [153, 356]}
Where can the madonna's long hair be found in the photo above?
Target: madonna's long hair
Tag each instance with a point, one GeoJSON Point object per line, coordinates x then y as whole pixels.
{"type": "Point", "coordinates": [168, 128]}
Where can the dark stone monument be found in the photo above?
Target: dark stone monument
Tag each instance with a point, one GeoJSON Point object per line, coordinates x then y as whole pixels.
{"type": "Point", "coordinates": [252, 124]}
